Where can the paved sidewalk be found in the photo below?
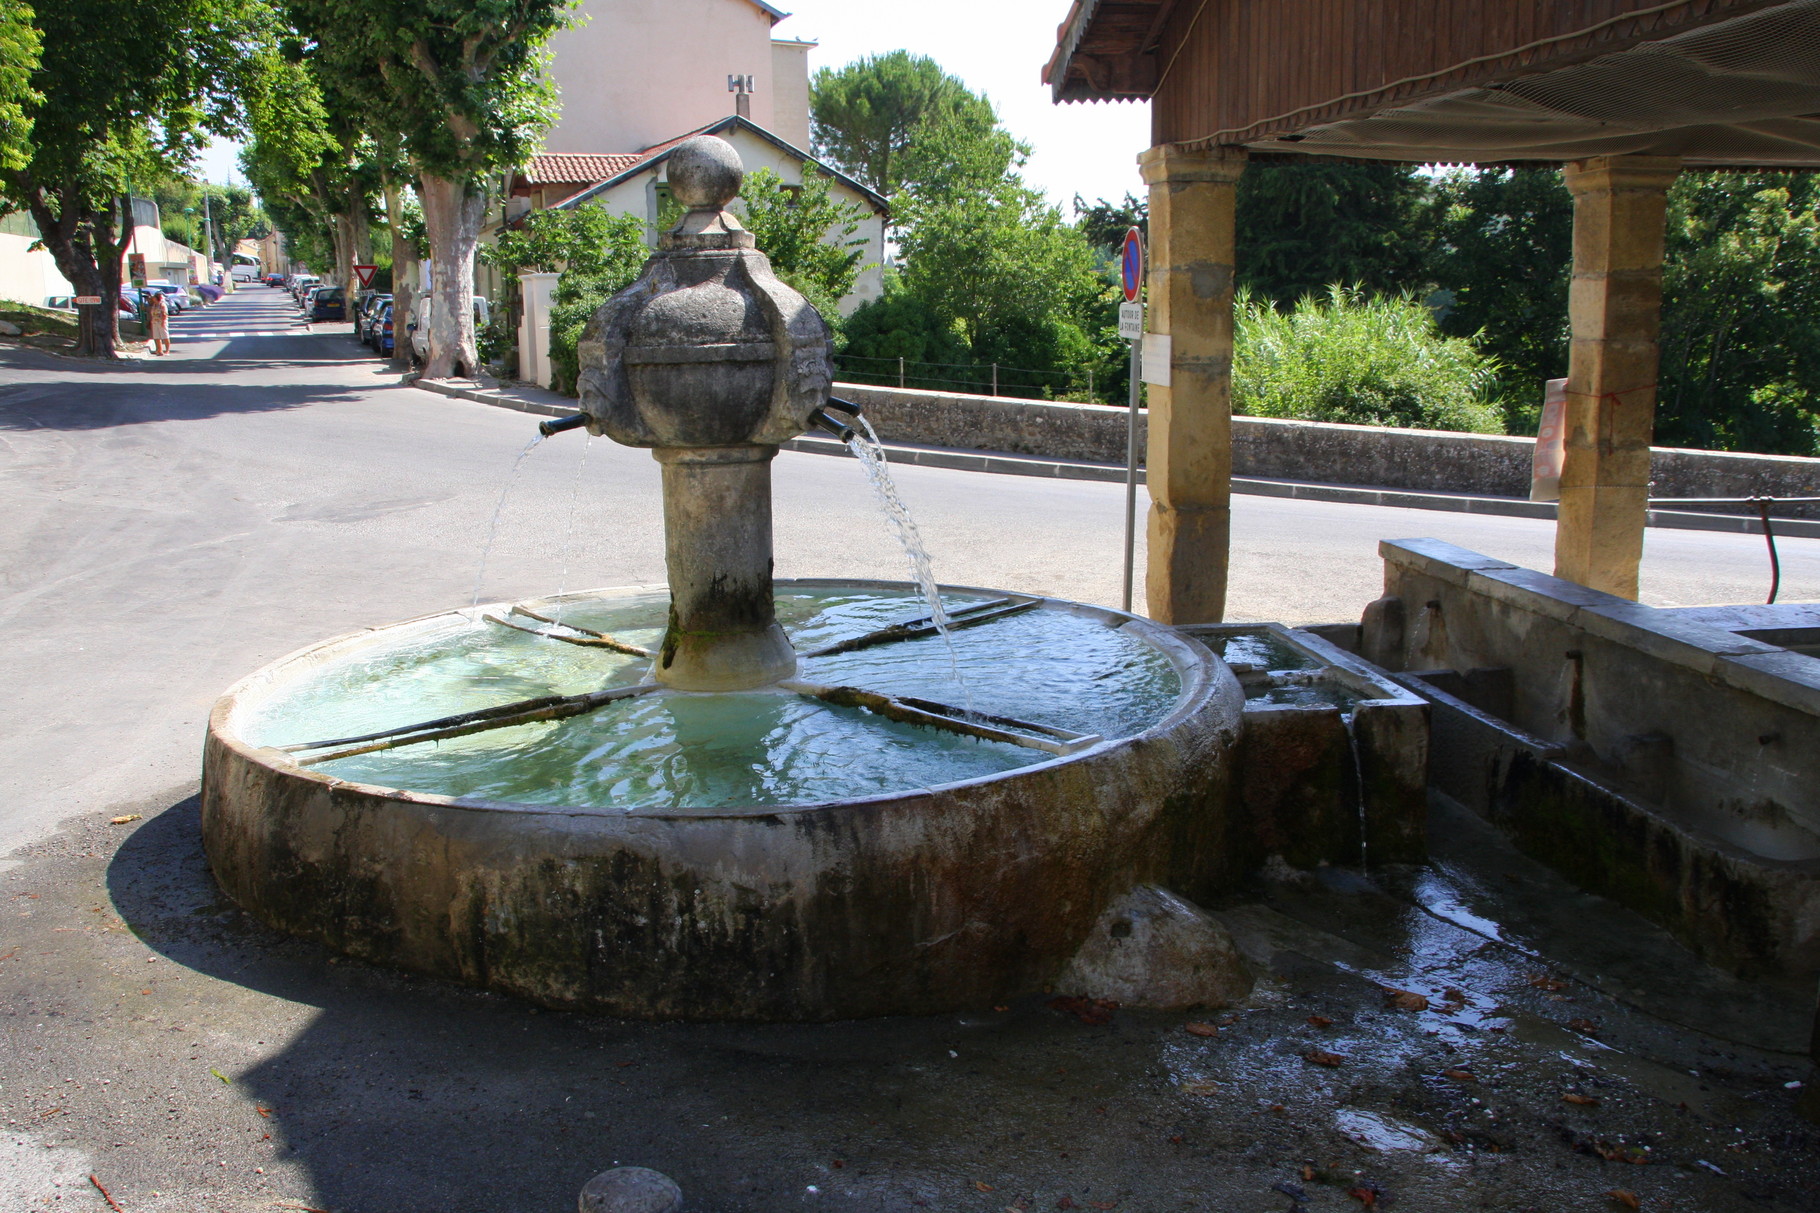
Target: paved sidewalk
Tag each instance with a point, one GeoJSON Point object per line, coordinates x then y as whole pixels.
{"type": "Point", "coordinates": [528, 398]}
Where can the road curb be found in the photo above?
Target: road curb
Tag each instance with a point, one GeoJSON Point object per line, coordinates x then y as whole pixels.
{"type": "Point", "coordinates": [551, 404]}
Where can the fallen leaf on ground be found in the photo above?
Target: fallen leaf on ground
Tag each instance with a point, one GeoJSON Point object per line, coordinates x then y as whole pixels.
{"type": "Point", "coordinates": [1625, 1197]}
{"type": "Point", "coordinates": [1365, 1196]}
{"type": "Point", "coordinates": [1104, 1204]}
{"type": "Point", "coordinates": [1543, 981]}
{"type": "Point", "coordinates": [1585, 1026]}
{"type": "Point", "coordinates": [1321, 1057]}
{"type": "Point", "coordinates": [1307, 1173]}
{"type": "Point", "coordinates": [1319, 1021]}
{"type": "Point", "coordinates": [1201, 1088]}
{"type": "Point", "coordinates": [1406, 1000]}
{"type": "Point", "coordinates": [223, 1077]}
{"type": "Point", "coordinates": [982, 1185]}
{"type": "Point", "coordinates": [1460, 1075]}
{"type": "Point", "coordinates": [1200, 1029]}
{"type": "Point", "coordinates": [1454, 994]}
{"type": "Point", "coordinates": [1584, 1101]}
{"type": "Point", "coordinates": [1094, 1012]}
{"type": "Point", "coordinates": [1066, 1202]}
{"type": "Point", "coordinates": [267, 1112]}
{"type": "Point", "coordinates": [124, 818]}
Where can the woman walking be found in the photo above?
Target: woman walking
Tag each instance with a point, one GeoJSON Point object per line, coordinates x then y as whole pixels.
{"type": "Point", "coordinates": [158, 322]}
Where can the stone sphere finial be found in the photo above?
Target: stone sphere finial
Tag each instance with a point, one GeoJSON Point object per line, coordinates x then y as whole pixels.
{"type": "Point", "coordinates": [705, 173]}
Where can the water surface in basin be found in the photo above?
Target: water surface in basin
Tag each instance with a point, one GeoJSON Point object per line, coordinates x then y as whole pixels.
{"type": "Point", "coordinates": [1057, 667]}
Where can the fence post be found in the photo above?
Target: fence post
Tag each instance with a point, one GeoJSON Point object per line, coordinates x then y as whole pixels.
{"type": "Point", "coordinates": [1091, 398]}
{"type": "Point", "coordinates": [900, 371]}
{"type": "Point", "coordinates": [995, 379]}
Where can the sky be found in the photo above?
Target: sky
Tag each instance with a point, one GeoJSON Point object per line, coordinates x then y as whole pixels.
{"type": "Point", "coordinates": [996, 47]}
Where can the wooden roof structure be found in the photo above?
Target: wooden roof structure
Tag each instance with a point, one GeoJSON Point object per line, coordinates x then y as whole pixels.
{"type": "Point", "coordinates": [1719, 83]}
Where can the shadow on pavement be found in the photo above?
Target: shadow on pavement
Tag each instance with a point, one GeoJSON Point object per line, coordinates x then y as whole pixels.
{"type": "Point", "coordinates": [125, 402]}
{"type": "Point", "coordinates": [408, 1094]}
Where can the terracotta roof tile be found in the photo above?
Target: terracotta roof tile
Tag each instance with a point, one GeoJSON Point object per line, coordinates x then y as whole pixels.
{"type": "Point", "coordinates": [577, 168]}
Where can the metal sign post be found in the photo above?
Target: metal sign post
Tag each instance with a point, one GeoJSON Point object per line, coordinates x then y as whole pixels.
{"type": "Point", "coordinates": [1131, 327]}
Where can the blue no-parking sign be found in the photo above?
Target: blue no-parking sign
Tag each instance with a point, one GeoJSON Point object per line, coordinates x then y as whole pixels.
{"type": "Point", "coordinates": [1131, 264]}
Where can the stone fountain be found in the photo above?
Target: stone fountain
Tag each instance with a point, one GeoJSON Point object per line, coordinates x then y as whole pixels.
{"type": "Point", "coordinates": [752, 800]}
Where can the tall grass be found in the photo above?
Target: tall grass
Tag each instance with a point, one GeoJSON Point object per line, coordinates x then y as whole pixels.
{"type": "Point", "coordinates": [1361, 359]}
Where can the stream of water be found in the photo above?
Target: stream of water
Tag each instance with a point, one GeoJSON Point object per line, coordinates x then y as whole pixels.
{"type": "Point", "coordinates": [870, 452]}
{"type": "Point", "coordinates": [505, 490]}
{"type": "Point", "coordinates": [568, 539]}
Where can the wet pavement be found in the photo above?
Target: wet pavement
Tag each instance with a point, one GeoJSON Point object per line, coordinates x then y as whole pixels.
{"type": "Point", "coordinates": [1468, 1035]}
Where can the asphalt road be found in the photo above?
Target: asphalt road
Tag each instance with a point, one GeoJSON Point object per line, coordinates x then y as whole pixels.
{"type": "Point", "coordinates": [168, 526]}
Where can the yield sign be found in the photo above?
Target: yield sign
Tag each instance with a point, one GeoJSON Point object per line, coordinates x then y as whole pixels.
{"type": "Point", "coordinates": [365, 274]}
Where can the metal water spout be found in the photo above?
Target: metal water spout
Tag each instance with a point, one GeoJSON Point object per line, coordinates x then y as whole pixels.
{"type": "Point", "coordinates": [713, 363]}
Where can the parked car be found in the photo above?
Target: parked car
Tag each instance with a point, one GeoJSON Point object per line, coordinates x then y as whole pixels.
{"type": "Point", "coordinates": [382, 330]}
{"type": "Point", "coordinates": [329, 303]}
{"type": "Point", "coordinates": [366, 320]}
{"type": "Point", "coordinates": [302, 283]}
{"type": "Point", "coordinates": [273, 280]}
{"type": "Point", "coordinates": [308, 298]}
{"type": "Point", "coordinates": [176, 297]}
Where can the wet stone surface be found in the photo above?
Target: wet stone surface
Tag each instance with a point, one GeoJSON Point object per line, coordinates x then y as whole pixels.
{"type": "Point", "coordinates": [1414, 1043]}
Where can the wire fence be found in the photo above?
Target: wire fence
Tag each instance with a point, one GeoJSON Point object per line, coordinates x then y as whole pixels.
{"type": "Point", "coordinates": [977, 378]}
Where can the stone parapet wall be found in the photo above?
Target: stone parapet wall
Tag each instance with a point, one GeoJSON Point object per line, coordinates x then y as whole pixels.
{"type": "Point", "coordinates": [1266, 448]}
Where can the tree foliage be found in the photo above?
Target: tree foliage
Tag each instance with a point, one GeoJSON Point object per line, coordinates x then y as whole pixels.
{"type": "Point", "coordinates": [1741, 314]}
{"type": "Point", "coordinates": [807, 234]}
{"type": "Point", "coordinates": [1305, 227]}
{"type": "Point", "coordinates": [19, 46]}
{"type": "Point", "coordinates": [1502, 250]}
{"type": "Point", "coordinates": [869, 116]}
{"type": "Point", "coordinates": [1360, 359]}
{"type": "Point", "coordinates": [598, 266]}
{"type": "Point", "coordinates": [122, 94]}
{"type": "Point", "coordinates": [987, 261]}
{"type": "Point", "coordinates": [457, 84]}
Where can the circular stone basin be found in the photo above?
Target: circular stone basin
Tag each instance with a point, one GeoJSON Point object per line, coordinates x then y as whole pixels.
{"type": "Point", "coordinates": [765, 854]}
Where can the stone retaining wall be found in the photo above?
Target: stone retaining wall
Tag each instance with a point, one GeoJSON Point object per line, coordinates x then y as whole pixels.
{"type": "Point", "coordinates": [1264, 448]}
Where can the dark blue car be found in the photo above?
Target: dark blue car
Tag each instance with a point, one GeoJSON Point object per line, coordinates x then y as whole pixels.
{"type": "Point", "coordinates": [329, 304]}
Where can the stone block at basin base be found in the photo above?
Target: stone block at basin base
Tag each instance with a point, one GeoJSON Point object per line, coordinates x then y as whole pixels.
{"type": "Point", "coordinates": [1153, 951]}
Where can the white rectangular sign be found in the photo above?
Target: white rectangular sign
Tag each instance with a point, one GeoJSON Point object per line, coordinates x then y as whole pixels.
{"type": "Point", "coordinates": [1131, 321]}
{"type": "Point", "coordinates": [1155, 359]}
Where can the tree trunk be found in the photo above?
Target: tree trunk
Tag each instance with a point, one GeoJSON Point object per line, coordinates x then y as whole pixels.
{"type": "Point", "coordinates": [69, 234]}
{"type": "Point", "coordinates": [452, 212]}
{"type": "Point", "coordinates": [404, 270]}
{"type": "Point", "coordinates": [360, 231]}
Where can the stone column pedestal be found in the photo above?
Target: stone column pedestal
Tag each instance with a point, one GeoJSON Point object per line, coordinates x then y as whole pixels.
{"type": "Point", "coordinates": [723, 633]}
{"type": "Point", "coordinates": [1188, 460]}
{"type": "Point", "coordinates": [1615, 312]}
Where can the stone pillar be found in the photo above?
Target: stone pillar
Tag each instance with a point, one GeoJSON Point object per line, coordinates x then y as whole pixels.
{"type": "Point", "coordinates": [1614, 313]}
{"type": "Point", "coordinates": [723, 633]}
{"type": "Point", "coordinates": [1188, 458]}
{"type": "Point", "coordinates": [539, 297]}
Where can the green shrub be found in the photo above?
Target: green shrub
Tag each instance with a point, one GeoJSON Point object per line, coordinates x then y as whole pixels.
{"type": "Point", "coordinates": [1362, 360]}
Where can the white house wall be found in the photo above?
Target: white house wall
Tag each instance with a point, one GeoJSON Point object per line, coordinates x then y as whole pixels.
{"type": "Point", "coordinates": [27, 276]}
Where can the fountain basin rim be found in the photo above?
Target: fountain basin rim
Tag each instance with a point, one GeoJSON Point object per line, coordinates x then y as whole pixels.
{"type": "Point", "coordinates": [1193, 663]}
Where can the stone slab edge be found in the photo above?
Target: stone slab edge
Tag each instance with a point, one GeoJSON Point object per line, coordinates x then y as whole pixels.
{"type": "Point", "coordinates": [550, 404]}
{"type": "Point", "coordinates": [1771, 673]}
